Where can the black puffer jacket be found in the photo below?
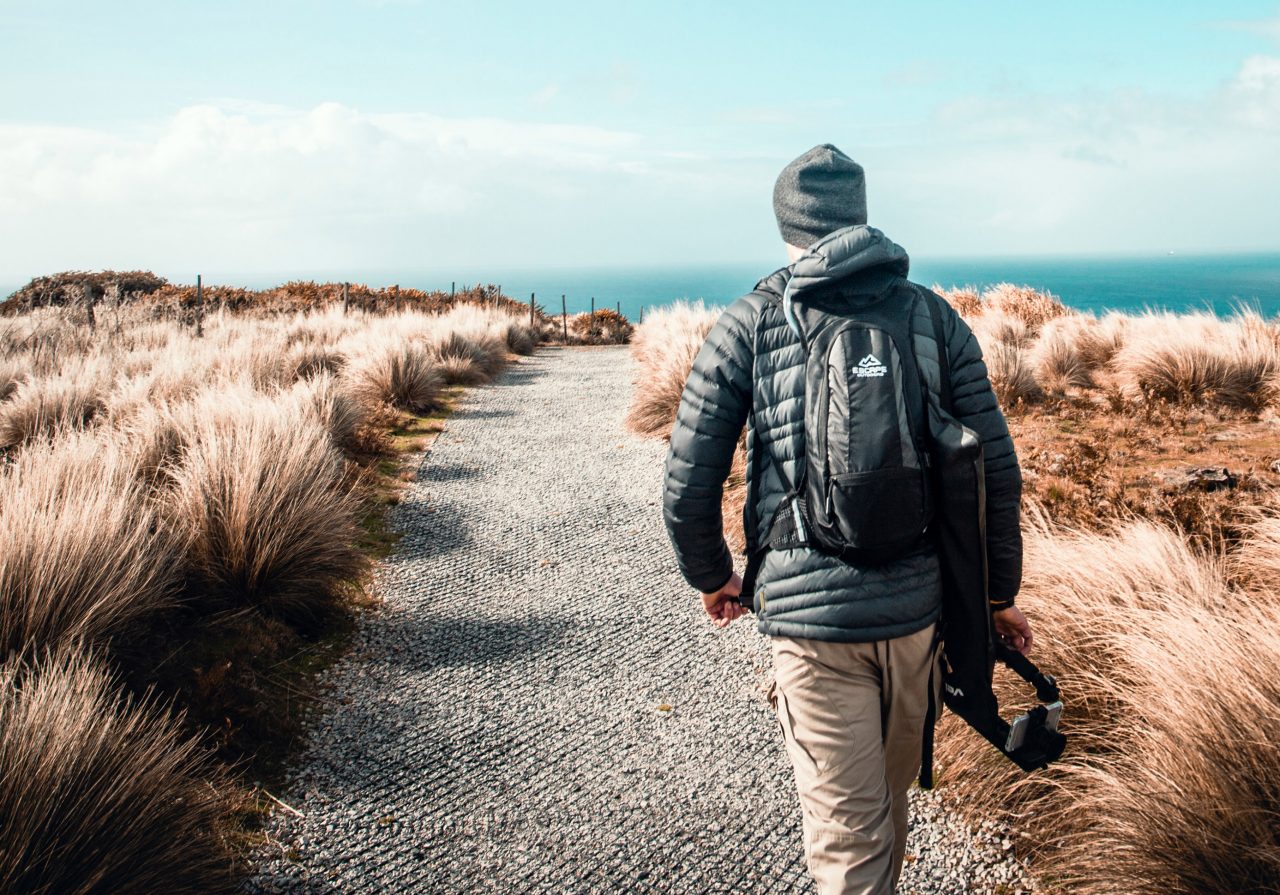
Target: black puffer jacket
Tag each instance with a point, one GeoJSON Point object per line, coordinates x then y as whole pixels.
{"type": "Point", "coordinates": [750, 371]}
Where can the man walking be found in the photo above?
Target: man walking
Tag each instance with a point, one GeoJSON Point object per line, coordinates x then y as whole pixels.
{"type": "Point", "coordinates": [853, 638]}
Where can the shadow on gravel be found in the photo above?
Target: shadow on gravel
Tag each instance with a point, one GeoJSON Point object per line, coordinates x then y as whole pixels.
{"type": "Point", "coordinates": [283, 882]}
{"type": "Point", "coordinates": [430, 529]}
{"type": "Point", "coordinates": [446, 472]}
{"type": "Point", "coordinates": [462, 641]}
{"type": "Point", "coordinates": [479, 413]}
{"type": "Point", "coordinates": [521, 375]}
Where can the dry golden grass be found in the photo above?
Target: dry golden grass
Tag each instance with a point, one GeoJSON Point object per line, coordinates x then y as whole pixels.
{"type": "Point", "coordinates": [196, 509]}
{"type": "Point", "coordinates": [84, 556]}
{"type": "Point", "coordinates": [1012, 372]}
{"type": "Point", "coordinates": [1201, 358]}
{"type": "Point", "coordinates": [47, 405]}
{"type": "Point", "coordinates": [1059, 363]}
{"type": "Point", "coordinates": [664, 347]}
{"type": "Point", "coordinates": [258, 495]}
{"type": "Point", "coordinates": [403, 375]}
{"type": "Point", "coordinates": [101, 794]}
{"type": "Point", "coordinates": [1171, 781]}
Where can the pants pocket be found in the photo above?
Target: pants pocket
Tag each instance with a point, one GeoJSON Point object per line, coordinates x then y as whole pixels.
{"type": "Point", "coordinates": [801, 757]}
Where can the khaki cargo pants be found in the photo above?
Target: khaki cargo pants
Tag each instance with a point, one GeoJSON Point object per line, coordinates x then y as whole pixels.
{"type": "Point", "coordinates": [852, 716]}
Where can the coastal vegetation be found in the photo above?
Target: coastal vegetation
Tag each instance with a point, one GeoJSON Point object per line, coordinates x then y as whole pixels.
{"type": "Point", "coordinates": [191, 498]}
{"type": "Point", "coordinates": [1150, 447]}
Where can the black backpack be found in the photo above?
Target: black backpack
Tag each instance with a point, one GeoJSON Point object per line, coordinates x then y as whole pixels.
{"type": "Point", "coordinates": [864, 490]}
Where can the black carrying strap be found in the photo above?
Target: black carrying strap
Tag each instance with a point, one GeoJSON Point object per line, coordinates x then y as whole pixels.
{"type": "Point", "coordinates": [944, 362]}
{"type": "Point", "coordinates": [944, 396]}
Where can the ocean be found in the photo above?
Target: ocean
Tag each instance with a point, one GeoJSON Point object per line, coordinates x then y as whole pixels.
{"type": "Point", "coordinates": [1216, 283]}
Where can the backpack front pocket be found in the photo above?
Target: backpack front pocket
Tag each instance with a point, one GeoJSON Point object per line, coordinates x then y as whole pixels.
{"type": "Point", "coordinates": [879, 509]}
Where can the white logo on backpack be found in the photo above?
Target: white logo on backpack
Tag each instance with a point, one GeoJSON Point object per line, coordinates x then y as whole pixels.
{"type": "Point", "coordinates": [871, 366]}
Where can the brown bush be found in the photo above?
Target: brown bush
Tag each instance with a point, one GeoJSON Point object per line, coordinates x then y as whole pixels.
{"type": "Point", "coordinates": [1171, 780]}
{"type": "Point", "coordinates": [1033, 307]}
{"type": "Point", "coordinates": [101, 795]}
{"type": "Point", "coordinates": [965, 299]}
{"type": "Point", "coordinates": [605, 327]}
{"type": "Point", "coordinates": [84, 556]}
{"type": "Point", "coordinates": [259, 497]}
{"type": "Point", "coordinates": [48, 405]}
{"type": "Point", "coordinates": [664, 348]}
{"type": "Point", "coordinates": [403, 375]}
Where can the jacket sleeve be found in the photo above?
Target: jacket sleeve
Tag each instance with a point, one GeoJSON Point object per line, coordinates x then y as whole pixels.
{"type": "Point", "coordinates": [976, 406]}
{"type": "Point", "coordinates": [713, 409]}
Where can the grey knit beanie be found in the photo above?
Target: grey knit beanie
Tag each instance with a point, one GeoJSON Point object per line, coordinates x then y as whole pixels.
{"type": "Point", "coordinates": [822, 191]}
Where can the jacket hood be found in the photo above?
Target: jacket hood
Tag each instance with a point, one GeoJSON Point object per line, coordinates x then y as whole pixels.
{"type": "Point", "coordinates": [861, 254]}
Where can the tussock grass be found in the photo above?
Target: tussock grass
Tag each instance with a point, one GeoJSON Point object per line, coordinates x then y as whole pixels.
{"type": "Point", "coordinates": [462, 360]}
{"type": "Point", "coordinates": [11, 374]}
{"type": "Point", "coordinates": [101, 794]}
{"type": "Point", "coordinates": [664, 347]}
{"type": "Point", "coordinates": [1200, 358]}
{"type": "Point", "coordinates": [84, 556]}
{"type": "Point", "coordinates": [1060, 365]}
{"type": "Point", "coordinates": [260, 500]}
{"type": "Point", "coordinates": [194, 511]}
{"type": "Point", "coordinates": [44, 406]}
{"type": "Point", "coordinates": [1031, 306]}
{"type": "Point", "coordinates": [965, 299]}
{"type": "Point", "coordinates": [403, 375]}
{"type": "Point", "coordinates": [1171, 781]}
{"type": "Point", "coordinates": [1012, 373]}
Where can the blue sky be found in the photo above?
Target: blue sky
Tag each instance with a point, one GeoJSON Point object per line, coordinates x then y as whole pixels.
{"type": "Point", "coordinates": [280, 135]}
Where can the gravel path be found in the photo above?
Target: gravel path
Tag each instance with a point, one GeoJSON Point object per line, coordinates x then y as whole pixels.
{"type": "Point", "coordinates": [500, 724]}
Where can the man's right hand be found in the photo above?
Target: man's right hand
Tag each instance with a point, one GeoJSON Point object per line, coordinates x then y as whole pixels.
{"type": "Point", "coordinates": [723, 606]}
{"type": "Point", "coordinates": [1013, 628]}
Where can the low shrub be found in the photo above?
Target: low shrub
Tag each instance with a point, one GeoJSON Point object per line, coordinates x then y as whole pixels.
{"type": "Point", "coordinates": [965, 299]}
{"type": "Point", "coordinates": [48, 405]}
{"type": "Point", "coordinates": [401, 374]}
{"type": "Point", "coordinates": [1031, 306]}
{"type": "Point", "coordinates": [1199, 358]}
{"type": "Point", "coordinates": [101, 795]}
{"type": "Point", "coordinates": [260, 500]}
{"type": "Point", "coordinates": [605, 327]}
{"type": "Point", "coordinates": [84, 555]}
{"type": "Point", "coordinates": [664, 348]}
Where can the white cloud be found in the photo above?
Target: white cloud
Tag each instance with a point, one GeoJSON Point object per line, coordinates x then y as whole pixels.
{"type": "Point", "coordinates": [1106, 172]}
{"type": "Point", "coordinates": [237, 186]}
{"type": "Point", "coordinates": [1265, 27]}
{"type": "Point", "coordinates": [247, 185]}
{"type": "Point", "coordinates": [546, 94]}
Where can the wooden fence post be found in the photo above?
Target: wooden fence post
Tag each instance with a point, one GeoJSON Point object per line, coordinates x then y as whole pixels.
{"type": "Point", "coordinates": [619, 309]}
{"type": "Point", "coordinates": [564, 318]}
{"type": "Point", "coordinates": [199, 306]}
{"type": "Point", "coordinates": [453, 287]}
{"type": "Point", "coordinates": [531, 297]}
{"type": "Point", "coordinates": [346, 298]}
